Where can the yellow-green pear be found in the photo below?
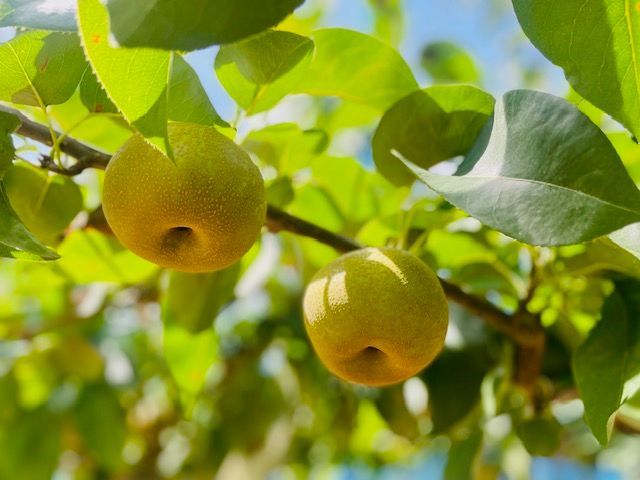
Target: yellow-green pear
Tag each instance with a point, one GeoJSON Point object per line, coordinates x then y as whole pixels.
{"type": "Point", "coordinates": [200, 212]}
{"type": "Point", "coordinates": [376, 316]}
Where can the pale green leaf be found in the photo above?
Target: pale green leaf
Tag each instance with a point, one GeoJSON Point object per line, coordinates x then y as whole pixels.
{"type": "Point", "coordinates": [597, 44]}
{"type": "Point", "coordinates": [628, 238]}
{"type": "Point", "coordinates": [193, 24]}
{"type": "Point", "coordinates": [356, 67]}
{"type": "Point", "coordinates": [446, 62]}
{"type": "Point", "coordinates": [40, 68]}
{"type": "Point", "coordinates": [135, 79]}
{"type": "Point", "coordinates": [15, 240]}
{"type": "Point", "coordinates": [429, 126]}
{"type": "Point", "coordinates": [259, 71]}
{"type": "Point", "coordinates": [541, 173]}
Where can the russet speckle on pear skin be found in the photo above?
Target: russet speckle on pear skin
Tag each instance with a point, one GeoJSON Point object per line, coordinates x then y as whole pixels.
{"type": "Point", "coordinates": [376, 316]}
{"type": "Point", "coordinates": [200, 213]}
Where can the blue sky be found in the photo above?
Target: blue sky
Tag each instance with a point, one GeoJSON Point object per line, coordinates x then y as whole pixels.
{"type": "Point", "coordinates": [487, 29]}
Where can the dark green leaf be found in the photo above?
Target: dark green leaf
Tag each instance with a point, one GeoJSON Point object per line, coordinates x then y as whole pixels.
{"type": "Point", "coordinates": [39, 14]}
{"type": "Point", "coordinates": [101, 421]}
{"type": "Point", "coordinates": [193, 24]}
{"type": "Point", "coordinates": [193, 300]}
{"type": "Point", "coordinates": [430, 126]}
{"type": "Point", "coordinates": [541, 173]}
{"type": "Point", "coordinates": [446, 62]}
{"type": "Point", "coordinates": [15, 240]}
{"type": "Point", "coordinates": [356, 67]}
{"type": "Point", "coordinates": [259, 71]}
{"type": "Point", "coordinates": [40, 68]}
{"type": "Point", "coordinates": [462, 456]}
{"type": "Point", "coordinates": [596, 45]}
{"type": "Point", "coordinates": [8, 124]}
{"type": "Point", "coordinates": [608, 358]}
{"type": "Point", "coordinates": [134, 79]}
{"type": "Point", "coordinates": [540, 436]}
{"type": "Point", "coordinates": [188, 101]}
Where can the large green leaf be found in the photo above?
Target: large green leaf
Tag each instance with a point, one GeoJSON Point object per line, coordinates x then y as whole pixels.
{"type": "Point", "coordinates": [597, 43]}
{"type": "Point", "coordinates": [15, 240]}
{"type": "Point", "coordinates": [40, 68]}
{"type": "Point", "coordinates": [193, 24]}
{"type": "Point", "coordinates": [356, 67]}
{"type": "Point", "coordinates": [259, 71]}
{"type": "Point", "coordinates": [8, 124]}
{"type": "Point", "coordinates": [193, 300]}
{"type": "Point", "coordinates": [541, 173]}
{"type": "Point", "coordinates": [608, 358]}
{"type": "Point", "coordinates": [429, 126]}
{"type": "Point", "coordinates": [446, 62]}
{"type": "Point", "coordinates": [38, 14]}
{"type": "Point", "coordinates": [135, 79]}
{"type": "Point", "coordinates": [45, 203]}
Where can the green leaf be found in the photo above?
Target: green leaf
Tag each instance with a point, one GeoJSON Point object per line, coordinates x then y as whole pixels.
{"type": "Point", "coordinates": [8, 124]}
{"type": "Point", "coordinates": [628, 238]}
{"type": "Point", "coordinates": [429, 126]}
{"type": "Point", "coordinates": [189, 356]}
{"type": "Point", "coordinates": [193, 24]}
{"type": "Point", "coordinates": [135, 79]}
{"type": "Point", "coordinates": [605, 254]}
{"type": "Point", "coordinates": [45, 203]}
{"type": "Point", "coordinates": [93, 95]}
{"type": "Point", "coordinates": [358, 68]}
{"type": "Point", "coordinates": [39, 14]}
{"type": "Point", "coordinates": [541, 173]}
{"type": "Point", "coordinates": [15, 240]}
{"type": "Point", "coordinates": [608, 358]}
{"type": "Point", "coordinates": [40, 68]}
{"type": "Point", "coordinates": [259, 71]}
{"type": "Point", "coordinates": [89, 256]}
{"type": "Point", "coordinates": [101, 422]}
{"type": "Point", "coordinates": [541, 436]}
{"type": "Point", "coordinates": [461, 457]}
{"type": "Point", "coordinates": [597, 45]}
{"type": "Point", "coordinates": [446, 62]}
{"type": "Point", "coordinates": [188, 101]}
{"type": "Point", "coordinates": [193, 300]}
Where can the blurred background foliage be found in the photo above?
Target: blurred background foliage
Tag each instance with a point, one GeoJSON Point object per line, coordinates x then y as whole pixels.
{"type": "Point", "coordinates": [112, 368]}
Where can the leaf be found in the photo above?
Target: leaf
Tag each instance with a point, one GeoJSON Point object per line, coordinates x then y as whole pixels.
{"type": "Point", "coordinates": [40, 68]}
{"type": "Point", "coordinates": [608, 358]}
{"type": "Point", "coordinates": [93, 95]}
{"type": "Point", "coordinates": [101, 422]}
{"type": "Point", "coordinates": [541, 436]}
{"type": "Point", "coordinates": [193, 300]}
{"type": "Point", "coordinates": [596, 43]}
{"type": "Point", "coordinates": [135, 79]}
{"type": "Point", "coordinates": [261, 70]}
{"type": "Point", "coordinates": [193, 24]}
{"type": "Point", "coordinates": [45, 203]}
{"type": "Point", "coordinates": [628, 238]}
{"type": "Point", "coordinates": [89, 256]}
{"type": "Point", "coordinates": [356, 67]}
{"type": "Point", "coordinates": [8, 124]}
{"type": "Point", "coordinates": [461, 457]}
{"type": "Point", "coordinates": [188, 101]}
{"type": "Point", "coordinates": [15, 240]}
{"type": "Point", "coordinates": [541, 173]}
{"type": "Point", "coordinates": [429, 126]}
{"type": "Point", "coordinates": [189, 356]}
{"type": "Point", "coordinates": [446, 62]}
{"type": "Point", "coordinates": [39, 14]}
{"type": "Point", "coordinates": [604, 254]}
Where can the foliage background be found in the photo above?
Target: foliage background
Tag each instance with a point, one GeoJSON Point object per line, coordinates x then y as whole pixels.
{"type": "Point", "coordinates": [110, 368]}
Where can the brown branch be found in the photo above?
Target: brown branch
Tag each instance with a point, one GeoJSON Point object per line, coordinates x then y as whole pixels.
{"type": "Point", "coordinates": [522, 327]}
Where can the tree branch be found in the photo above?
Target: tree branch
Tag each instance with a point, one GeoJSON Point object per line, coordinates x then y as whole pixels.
{"type": "Point", "coordinates": [521, 327]}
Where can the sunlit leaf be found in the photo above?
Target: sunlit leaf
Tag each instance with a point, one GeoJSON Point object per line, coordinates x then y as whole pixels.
{"type": "Point", "coordinates": [40, 68]}
{"type": "Point", "coordinates": [596, 45]}
{"type": "Point", "coordinates": [541, 173]}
